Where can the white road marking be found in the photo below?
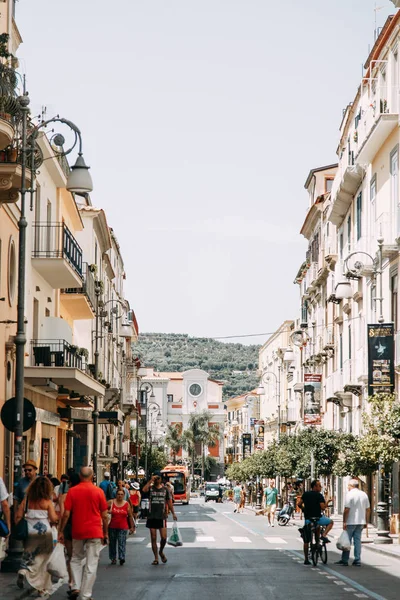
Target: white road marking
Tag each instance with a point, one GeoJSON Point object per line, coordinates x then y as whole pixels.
{"type": "Point", "coordinates": [135, 540]}
{"type": "Point", "coordinates": [275, 540]}
{"type": "Point", "coordinates": [349, 589]}
{"type": "Point", "coordinates": [339, 582]}
{"type": "Point", "coordinates": [361, 595]}
{"type": "Point", "coordinates": [240, 540]}
{"type": "Point", "coordinates": [205, 538]}
{"type": "Point", "coordinates": [192, 512]}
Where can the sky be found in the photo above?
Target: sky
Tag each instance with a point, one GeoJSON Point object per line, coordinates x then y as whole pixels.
{"type": "Point", "coordinates": [201, 120]}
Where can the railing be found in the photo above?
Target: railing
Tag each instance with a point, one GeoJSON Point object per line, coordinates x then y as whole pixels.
{"type": "Point", "coordinates": [311, 275]}
{"type": "Point", "coordinates": [54, 240]}
{"type": "Point", "coordinates": [88, 286]}
{"type": "Point", "coordinates": [56, 353]}
{"type": "Point", "coordinates": [383, 101]}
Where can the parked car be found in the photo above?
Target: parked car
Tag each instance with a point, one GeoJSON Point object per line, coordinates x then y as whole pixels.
{"type": "Point", "coordinates": [211, 491]}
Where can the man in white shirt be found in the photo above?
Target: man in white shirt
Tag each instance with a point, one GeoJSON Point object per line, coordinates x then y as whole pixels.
{"type": "Point", "coordinates": [5, 507]}
{"type": "Point", "coordinates": [355, 518]}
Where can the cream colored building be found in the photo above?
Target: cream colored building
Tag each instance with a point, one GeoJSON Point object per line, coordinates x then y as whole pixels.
{"type": "Point", "coordinates": [242, 417]}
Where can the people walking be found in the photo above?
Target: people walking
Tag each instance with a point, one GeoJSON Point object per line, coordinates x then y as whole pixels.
{"type": "Point", "coordinates": [313, 504]}
{"type": "Point", "coordinates": [108, 487]}
{"type": "Point", "coordinates": [38, 510]}
{"type": "Point", "coordinates": [30, 469]}
{"type": "Point", "coordinates": [242, 499]}
{"type": "Point", "coordinates": [121, 486]}
{"type": "Point", "coordinates": [160, 499]}
{"type": "Point", "coordinates": [237, 492]}
{"type": "Point", "coordinates": [135, 501]}
{"type": "Point", "coordinates": [89, 510]}
{"type": "Point", "coordinates": [355, 518]}
{"type": "Point", "coordinates": [270, 500]}
{"type": "Point", "coordinates": [72, 482]}
{"type": "Point", "coordinates": [121, 521]}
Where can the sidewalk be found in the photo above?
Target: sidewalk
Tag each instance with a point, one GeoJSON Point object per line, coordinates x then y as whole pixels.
{"type": "Point", "coordinates": [368, 535]}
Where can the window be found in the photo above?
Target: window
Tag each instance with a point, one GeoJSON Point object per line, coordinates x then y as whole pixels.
{"type": "Point", "coordinates": [349, 234]}
{"type": "Point", "coordinates": [394, 309]}
{"type": "Point", "coordinates": [328, 184]}
{"type": "Point", "coordinates": [12, 271]}
{"type": "Point", "coordinates": [358, 215]}
{"type": "Point", "coordinates": [341, 245]}
{"type": "Point", "coordinates": [340, 351]}
{"type": "Point", "coordinates": [170, 397]}
{"type": "Point", "coordinates": [349, 341]}
{"type": "Point", "coordinates": [394, 185]}
{"type": "Point", "coordinates": [372, 197]}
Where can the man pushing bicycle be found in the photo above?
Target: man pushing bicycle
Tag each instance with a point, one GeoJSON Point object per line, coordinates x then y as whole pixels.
{"type": "Point", "coordinates": [313, 504]}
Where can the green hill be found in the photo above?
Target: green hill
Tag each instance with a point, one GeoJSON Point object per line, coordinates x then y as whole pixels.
{"type": "Point", "coordinates": [234, 364]}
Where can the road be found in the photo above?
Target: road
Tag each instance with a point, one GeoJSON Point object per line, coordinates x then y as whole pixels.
{"type": "Point", "coordinates": [226, 555]}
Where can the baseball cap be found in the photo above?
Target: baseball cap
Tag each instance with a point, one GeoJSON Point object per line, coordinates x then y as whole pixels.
{"type": "Point", "coordinates": [106, 474]}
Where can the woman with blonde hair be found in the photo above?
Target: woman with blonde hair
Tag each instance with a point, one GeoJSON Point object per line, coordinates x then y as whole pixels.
{"type": "Point", "coordinates": [38, 510]}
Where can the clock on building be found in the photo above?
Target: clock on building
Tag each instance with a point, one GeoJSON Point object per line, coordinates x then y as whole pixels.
{"type": "Point", "coordinates": [195, 389]}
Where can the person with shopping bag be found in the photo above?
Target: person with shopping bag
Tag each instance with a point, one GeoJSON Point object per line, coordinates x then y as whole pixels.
{"type": "Point", "coordinates": [355, 518]}
{"type": "Point", "coordinates": [160, 499]}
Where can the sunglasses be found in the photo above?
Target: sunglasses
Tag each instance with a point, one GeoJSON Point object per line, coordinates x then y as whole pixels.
{"type": "Point", "coordinates": [28, 470]}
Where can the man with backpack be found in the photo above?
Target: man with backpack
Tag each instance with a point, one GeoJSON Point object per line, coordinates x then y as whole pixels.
{"type": "Point", "coordinates": [108, 487]}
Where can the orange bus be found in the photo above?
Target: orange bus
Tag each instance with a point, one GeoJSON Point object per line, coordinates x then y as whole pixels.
{"type": "Point", "coordinates": [179, 476]}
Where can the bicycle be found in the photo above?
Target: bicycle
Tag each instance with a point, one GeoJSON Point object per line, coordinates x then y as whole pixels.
{"type": "Point", "coordinates": [317, 546]}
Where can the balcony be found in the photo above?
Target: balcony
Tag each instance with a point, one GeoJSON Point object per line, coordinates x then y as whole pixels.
{"type": "Point", "coordinates": [349, 183]}
{"type": "Point", "coordinates": [54, 363]}
{"type": "Point", "coordinates": [10, 181]}
{"type": "Point", "coordinates": [6, 133]}
{"type": "Point", "coordinates": [57, 255]}
{"type": "Point", "coordinates": [80, 302]}
{"type": "Point", "coordinates": [373, 134]}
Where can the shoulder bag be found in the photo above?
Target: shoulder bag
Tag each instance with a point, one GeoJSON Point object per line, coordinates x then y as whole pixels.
{"type": "Point", "coordinates": [21, 528]}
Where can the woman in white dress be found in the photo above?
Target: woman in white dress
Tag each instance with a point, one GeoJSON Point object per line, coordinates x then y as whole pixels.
{"type": "Point", "coordinates": [38, 509]}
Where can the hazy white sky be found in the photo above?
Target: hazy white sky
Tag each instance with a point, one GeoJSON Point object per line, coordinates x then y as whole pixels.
{"type": "Point", "coordinates": [201, 120]}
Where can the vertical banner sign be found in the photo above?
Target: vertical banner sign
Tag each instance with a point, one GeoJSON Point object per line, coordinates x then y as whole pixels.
{"type": "Point", "coordinates": [380, 359]}
{"type": "Point", "coordinates": [45, 456]}
{"type": "Point", "coordinates": [312, 399]}
{"type": "Point", "coordinates": [246, 441]}
{"type": "Point", "coordinates": [260, 435]}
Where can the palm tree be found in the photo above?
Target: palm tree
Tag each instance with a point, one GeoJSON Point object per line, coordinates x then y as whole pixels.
{"type": "Point", "coordinates": [204, 433]}
{"type": "Point", "coordinates": [174, 440]}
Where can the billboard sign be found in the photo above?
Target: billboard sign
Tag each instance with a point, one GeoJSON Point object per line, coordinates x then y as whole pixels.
{"type": "Point", "coordinates": [312, 399]}
{"type": "Point", "coordinates": [381, 359]}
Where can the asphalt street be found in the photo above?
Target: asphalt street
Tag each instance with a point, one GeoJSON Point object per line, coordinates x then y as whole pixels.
{"type": "Point", "coordinates": [233, 556]}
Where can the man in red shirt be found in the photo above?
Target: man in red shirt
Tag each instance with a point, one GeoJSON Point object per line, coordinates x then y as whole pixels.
{"type": "Point", "coordinates": [88, 507]}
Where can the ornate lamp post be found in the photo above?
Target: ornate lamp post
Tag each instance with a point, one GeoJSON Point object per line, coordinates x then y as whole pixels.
{"type": "Point", "coordinates": [79, 181]}
{"type": "Point", "coordinates": [144, 388]}
{"type": "Point", "coordinates": [344, 290]}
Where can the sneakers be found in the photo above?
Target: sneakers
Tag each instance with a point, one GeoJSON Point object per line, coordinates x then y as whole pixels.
{"type": "Point", "coordinates": [307, 562]}
{"type": "Point", "coordinates": [342, 563]}
{"type": "Point", "coordinates": [356, 563]}
{"type": "Point", "coordinates": [325, 539]}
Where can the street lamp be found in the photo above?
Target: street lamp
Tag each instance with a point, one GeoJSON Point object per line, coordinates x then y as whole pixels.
{"type": "Point", "coordinates": [79, 181]}
{"type": "Point", "coordinates": [144, 389]}
{"type": "Point", "coordinates": [342, 291]}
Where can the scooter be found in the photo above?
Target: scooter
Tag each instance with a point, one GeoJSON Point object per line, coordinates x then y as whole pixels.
{"type": "Point", "coordinates": [285, 514]}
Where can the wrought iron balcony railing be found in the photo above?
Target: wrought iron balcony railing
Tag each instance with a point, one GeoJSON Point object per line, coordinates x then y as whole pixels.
{"type": "Point", "coordinates": [88, 286]}
{"type": "Point", "coordinates": [56, 353]}
{"type": "Point", "coordinates": [55, 240]}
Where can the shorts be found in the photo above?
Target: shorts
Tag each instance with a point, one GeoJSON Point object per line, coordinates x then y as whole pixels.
{"type": "Point", "coordinates": [135, 509]}
{"type": "Point", "coordinates": [270, 508]}
{"type": "Point", "coordinates": [324, 521]}
{"type": "Point", "coordinates": [156, 523]}
{"type": "Point", "coordinates": [236, 499]}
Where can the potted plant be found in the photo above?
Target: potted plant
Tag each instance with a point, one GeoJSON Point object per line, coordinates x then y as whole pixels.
{"type": "Point", "coordinates": [73, 349]}
{"type": "Point", "coordinates": [355, 136]}
{"type": "Point", "coordinates": [93, 268]}
{"type": "Point", "coordinates": [84, 352]}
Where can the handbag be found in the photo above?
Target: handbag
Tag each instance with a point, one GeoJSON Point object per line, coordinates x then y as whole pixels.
{"type": "Point", "coordinates": [21, 529]}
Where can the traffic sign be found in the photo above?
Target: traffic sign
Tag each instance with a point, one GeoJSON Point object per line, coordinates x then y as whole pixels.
{"type": "Point", "coordinates": [9, 414]}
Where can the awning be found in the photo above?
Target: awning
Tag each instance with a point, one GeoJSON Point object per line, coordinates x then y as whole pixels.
{"type": "Point", "coordinates": [77, 415]}
{"type": "Point", "coordinates": [71, 378]}
{"type": "Point", "coordinates": [110, 416]}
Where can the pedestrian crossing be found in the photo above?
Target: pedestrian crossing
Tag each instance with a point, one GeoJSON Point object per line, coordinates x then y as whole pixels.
{"type": "Point", "coordinates": [211, 540]}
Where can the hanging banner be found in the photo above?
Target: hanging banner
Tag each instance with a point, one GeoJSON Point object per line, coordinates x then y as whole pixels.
{"type": "Point", "coordinates": [312, 399]}
{"type": "Point", "coordinates": [380, 359]}
{"type": "Point", "coordinates": [246, 441]}
{"type": "Point", "coordinates": [260, 435]}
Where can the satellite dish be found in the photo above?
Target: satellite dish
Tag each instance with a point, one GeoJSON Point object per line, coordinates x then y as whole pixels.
{"type": "Point", "coordinates": [9, 414]}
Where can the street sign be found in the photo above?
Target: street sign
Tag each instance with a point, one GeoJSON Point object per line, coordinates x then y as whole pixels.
{"type": "Point", "coordinates": [9, 414]}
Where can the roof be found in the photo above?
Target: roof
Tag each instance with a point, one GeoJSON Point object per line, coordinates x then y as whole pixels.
{"type": "Point", "coordinates": [381, 39]}
{"type": "Point", "coordinates": [102, 219]}
{"type": "Point", "coordinates": [317, 170]}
